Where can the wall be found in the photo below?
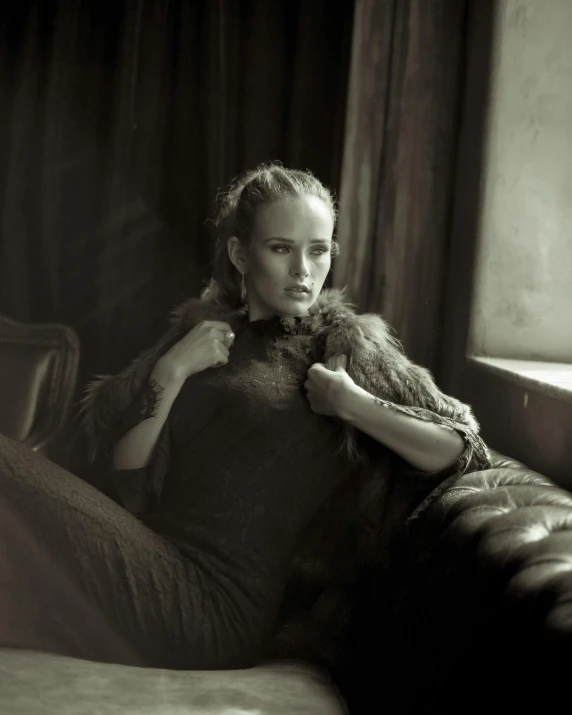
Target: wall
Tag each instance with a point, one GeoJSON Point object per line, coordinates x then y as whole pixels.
{"type": "Point", "coordinates": [513, 178]}
{"type": "Point", "coordinates": [523, 285]}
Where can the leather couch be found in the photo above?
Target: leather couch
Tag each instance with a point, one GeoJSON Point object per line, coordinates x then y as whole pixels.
{"type": "Point", "coordinates": [473, 611]}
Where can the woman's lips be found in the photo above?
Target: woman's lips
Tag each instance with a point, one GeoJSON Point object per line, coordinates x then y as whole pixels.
{"type": "Point", "coordinates": [296, 293]}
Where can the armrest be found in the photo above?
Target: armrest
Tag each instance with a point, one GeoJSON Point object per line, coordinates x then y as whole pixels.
{"type": "Point", "coordinates": [38, 370]}
{"type": "Point", "coordinates": [478, 599]}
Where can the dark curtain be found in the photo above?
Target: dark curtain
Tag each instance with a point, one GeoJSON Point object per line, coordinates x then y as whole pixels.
{"type": "Point", "coordinates": [404, 101]}
{"type": "Point", "coordinates": [118, 123]}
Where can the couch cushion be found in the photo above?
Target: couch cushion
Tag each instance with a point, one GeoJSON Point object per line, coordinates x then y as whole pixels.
{"type": "Point", "coordinates": [33, 682]}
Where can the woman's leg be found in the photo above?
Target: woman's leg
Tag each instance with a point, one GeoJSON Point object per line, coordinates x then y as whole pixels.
{"type": "Point", "coordinates": [81, 576]}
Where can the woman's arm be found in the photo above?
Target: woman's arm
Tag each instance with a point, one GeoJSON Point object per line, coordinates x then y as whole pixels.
{"type": "Point", "coordinates": [125, 416]}
{"type": "Point", "coordinates": [427, 446]}
{"type": "Point", "coordinates": [428, 429]}
{"type": "Point", "coordinates": [146, 417]}
{"type": "Point", "coordinates": [205, 346]}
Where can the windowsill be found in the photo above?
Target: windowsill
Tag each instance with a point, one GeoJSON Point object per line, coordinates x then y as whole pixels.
{"type": "Point", "coordinates": [552, 379]}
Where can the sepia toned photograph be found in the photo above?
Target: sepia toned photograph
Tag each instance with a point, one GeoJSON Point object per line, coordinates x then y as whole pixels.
{"type": "Point", "coordinates": [285, 357]}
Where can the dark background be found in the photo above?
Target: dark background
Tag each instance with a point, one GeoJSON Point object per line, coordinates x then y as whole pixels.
{"type": "Point", "coordinates": [121, 120]}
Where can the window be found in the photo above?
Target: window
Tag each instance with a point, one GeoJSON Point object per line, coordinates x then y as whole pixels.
{"type": "Point", "coordinates": [521, 322]}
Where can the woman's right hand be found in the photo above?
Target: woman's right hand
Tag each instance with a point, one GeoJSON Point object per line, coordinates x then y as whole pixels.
{"type": "Point", "coordinates": [206, 345]}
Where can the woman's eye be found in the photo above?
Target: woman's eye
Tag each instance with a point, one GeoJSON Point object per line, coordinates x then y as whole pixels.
{"type": "Point", "coordinates": [315, 252]}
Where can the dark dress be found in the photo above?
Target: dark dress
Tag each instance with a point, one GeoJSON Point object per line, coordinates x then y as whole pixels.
{"type": "Point", "coordinates": [197, 580]}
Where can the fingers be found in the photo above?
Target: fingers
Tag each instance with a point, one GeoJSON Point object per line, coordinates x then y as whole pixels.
{"type": "Point", "coordinates": [222, 352]}
{"type": "Point", "coordinates": [222, 337]}
{"type": "Point", "coordinates": [217, 328]}
{"type": "Point", "coordinates": [317, 370]}
{"type": "Point", "coordinates": [317, 405]}
{"type": "Point", "coordinates": [224, 331]}
{"type": "Point", "coordinates": [220, 331]}
{"type": "Point", "coordinates": [337, 362]}
{"type": "Point", "coordinates": [313, 385]}
{"type": "Point", "coordinates": [332, 362]}
{"type": "Point", "coordinates": [221, 357]}
{"type": "Point", "coordinates": [218, 324]}
{"type": "Point", "coordinates": [228, 338]}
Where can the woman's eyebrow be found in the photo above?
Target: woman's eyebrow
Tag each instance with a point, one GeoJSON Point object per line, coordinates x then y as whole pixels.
{"type": "Point", "coordinates": [290, 240]}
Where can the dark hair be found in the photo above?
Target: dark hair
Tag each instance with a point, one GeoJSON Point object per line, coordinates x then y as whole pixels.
{"type": "Point", "coordinates": [236, 215]}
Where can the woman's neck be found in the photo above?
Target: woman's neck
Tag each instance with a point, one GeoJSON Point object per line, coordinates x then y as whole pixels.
{"type": "Point", "coordinates": [264, 312]}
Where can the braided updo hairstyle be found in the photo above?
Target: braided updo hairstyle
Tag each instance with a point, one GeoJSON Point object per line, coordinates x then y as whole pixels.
{"type": "Point", "coordinates": [236, 216]}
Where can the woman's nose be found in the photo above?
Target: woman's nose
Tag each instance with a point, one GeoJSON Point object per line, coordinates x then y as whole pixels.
{"type": "Point", "coordinates": [300, 269]}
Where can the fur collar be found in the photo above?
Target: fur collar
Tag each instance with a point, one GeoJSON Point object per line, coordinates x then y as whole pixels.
{"type": "Point", "coordinates": [376, 363]}
{"type": "Point", "coordinates": [359, 335]}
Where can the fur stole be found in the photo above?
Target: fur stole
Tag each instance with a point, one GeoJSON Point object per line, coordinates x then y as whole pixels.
{"type": "Point", "coordinates": [355, 529]}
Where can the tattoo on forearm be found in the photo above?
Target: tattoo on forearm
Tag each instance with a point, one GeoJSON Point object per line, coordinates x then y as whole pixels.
{"type": "Point", "coordinates": [150, 399]}
{"type": "Point", "coordinates": [144, 405]}
{"type": "Point", "coordinates": [423, 414]}
{"type": "Point", "coordinates": [384, 403]}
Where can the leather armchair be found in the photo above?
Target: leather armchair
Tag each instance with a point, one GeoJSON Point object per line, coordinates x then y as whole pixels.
{"type": "Point", "coordinates": [38, 370]}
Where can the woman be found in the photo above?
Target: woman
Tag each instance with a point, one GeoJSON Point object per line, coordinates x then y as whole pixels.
{"type": "Point", "coordinates": [269, 448]}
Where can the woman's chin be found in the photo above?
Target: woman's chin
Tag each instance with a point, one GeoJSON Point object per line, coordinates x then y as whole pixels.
{"type": "Point", "coordinates": [290, 305]}
{"type": "Point", "coordinates": [282, 304]}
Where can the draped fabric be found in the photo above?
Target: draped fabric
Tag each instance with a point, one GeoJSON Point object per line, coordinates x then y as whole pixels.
{"type": "Point", "coordinates": [119, 120]}
{"type": "Point", "coordinates": [404, 102]}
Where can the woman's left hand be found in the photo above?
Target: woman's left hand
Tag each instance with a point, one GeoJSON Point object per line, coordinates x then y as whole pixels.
{"type": "Point", "coordinates": [328, 385]}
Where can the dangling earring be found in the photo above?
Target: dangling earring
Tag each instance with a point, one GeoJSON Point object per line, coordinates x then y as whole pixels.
{"type": "Point", "coordinates": [243, 290]}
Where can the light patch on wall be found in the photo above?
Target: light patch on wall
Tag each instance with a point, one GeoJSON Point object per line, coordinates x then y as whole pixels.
{"type": "Point", "coordinates": [523, 291]}
{"type": "Point", "coordinates": [548, 378]}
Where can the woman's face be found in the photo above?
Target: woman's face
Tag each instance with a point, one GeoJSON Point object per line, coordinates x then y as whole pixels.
{"type": "Point", "coordinates": [289, 256]}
